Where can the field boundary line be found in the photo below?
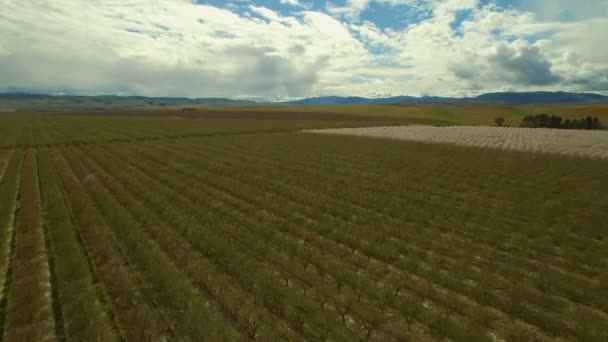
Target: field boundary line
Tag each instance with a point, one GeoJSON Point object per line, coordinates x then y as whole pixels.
{"type": "Point", "coordinates": [10, 250]}
{"type": "Point", "coordinates": [55, 303]}
{"type": "Point", "coordinates": [6, 160]}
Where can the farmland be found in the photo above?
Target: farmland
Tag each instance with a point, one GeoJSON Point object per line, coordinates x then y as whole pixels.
{"type": "Point", "coordinates": [574, 142]}
{"type": "Point", "coordinates": [150, 227]}
{"type": "Point", "coordinates": [444, 113]}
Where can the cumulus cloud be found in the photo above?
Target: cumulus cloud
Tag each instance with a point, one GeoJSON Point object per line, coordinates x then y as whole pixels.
{"type": "Point", "coordinates": [567, 10]}
{"type": "Point", "coordinates": [181, 48]}
{"type": "Point", "coordinates": [494, 49]}
{"type": "Point", "coordinates": [171, 48]}
{"type": "Point", "coordinates": [105, 72]}
{"type": "Point", "coordinates": [352, 8]}
{"type": "Point", "coordinates": [265, 12]}
{"type": "Point", "coordinates": [292, 3]}
{"type": "Point", "coordinates": [522, 63]}
{"type": "Point", "coordinates": [516, 63]}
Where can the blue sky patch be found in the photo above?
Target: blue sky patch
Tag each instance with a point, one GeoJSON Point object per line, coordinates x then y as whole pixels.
{"type": "Point", "coordinates": [391, 16]}
{"type": "Point", "coordinates": [461, 16]}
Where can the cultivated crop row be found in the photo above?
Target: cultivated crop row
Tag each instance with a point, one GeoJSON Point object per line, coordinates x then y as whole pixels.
{"type": "Point", "coordinates": [254, 271]}
{"type": "Point", "coordinates": [293, 189]}
{"type": "Point", "coordinates": [29, 312]}
{"type": "Point", "coordinates": [292, 236]}
{"type": "Point", "coordinates": [499, 276]}
{"type": "Point", "coordinates": [36, 130]}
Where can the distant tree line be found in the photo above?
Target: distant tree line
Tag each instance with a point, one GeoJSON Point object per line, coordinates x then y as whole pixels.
{"type": "Point", "coordinates": [554, 121]}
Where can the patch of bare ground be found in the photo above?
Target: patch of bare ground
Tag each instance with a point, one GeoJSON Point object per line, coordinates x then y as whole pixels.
{"type": "Point", "coordinates": [593, 144]}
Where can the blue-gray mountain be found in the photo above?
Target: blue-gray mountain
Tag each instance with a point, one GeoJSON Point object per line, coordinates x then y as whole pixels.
{"type": "Point", "coordinates": [24, 101]}
{"type": "Point", "coordinates": [507, 97]}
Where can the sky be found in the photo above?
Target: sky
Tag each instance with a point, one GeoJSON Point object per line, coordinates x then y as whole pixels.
{"type": "Point", "coordinates": [289, 49]}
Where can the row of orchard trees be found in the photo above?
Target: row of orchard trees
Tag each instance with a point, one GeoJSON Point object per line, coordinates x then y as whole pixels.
{"type": "Point", "coordinates": [554, 121]}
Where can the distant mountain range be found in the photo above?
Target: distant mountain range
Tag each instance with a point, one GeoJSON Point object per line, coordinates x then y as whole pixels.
{"type": "Point", "coordinates": [507, 97]}
{"type": "Point", "coordinates": [24, 101]}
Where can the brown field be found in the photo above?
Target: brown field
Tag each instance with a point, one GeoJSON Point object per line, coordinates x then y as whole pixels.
{"type": "Point", "coordinates": [437, 114]}
{"type": "Point", "coordinates": [440, 113]}
{"type": "Point", "coordinates": [276, 113]}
